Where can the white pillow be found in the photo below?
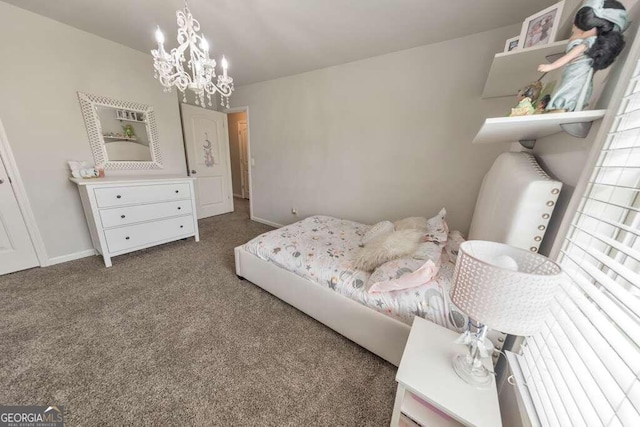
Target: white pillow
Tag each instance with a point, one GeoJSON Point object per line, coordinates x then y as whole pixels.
{"type": "Point", "coordinates": [394, 269]}
{"type": "Point", "coordinates": [387, 247]}
{"type": "Point", "coordinates": [437, 228]}
{"type": "Point", "coordinates": [452, 247]}
{"type": "Point", "coordinates": [380, 229]}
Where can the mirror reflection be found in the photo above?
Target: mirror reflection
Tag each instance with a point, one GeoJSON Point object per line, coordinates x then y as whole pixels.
{"type": "Point", "coordinates": [125, 134]}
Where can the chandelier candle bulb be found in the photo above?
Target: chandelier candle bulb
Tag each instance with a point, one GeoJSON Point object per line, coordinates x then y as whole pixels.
{"type": "Point", "coordinates": [159, 37]}
{"type": "Point", "coordinates": [204, 45]}
{"type": "Point", "coordinates": [225, 65]}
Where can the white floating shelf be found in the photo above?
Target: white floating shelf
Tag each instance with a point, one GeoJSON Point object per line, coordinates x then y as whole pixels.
{"type": "Point", "coordinates": [531, 128]}
{"type": "Point", "coordinates": [131, 120]}
{"type": "Point", "coordinates": [120, 138]}
{"type": "Point", "coordinates": [511, 71]}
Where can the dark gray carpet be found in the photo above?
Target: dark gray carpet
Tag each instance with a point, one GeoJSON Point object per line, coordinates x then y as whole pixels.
{"type": "Point", "coordinates": [170, 336]}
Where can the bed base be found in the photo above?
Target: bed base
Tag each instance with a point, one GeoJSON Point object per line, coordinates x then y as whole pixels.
{"type": "Point", "coordinates": [378, 333]}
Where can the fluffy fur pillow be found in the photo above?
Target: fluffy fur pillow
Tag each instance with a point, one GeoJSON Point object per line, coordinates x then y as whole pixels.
{"type": "Point", "coordinates": [398, 244]}
{"type": "Point", "coordinates": [428, 250]}
{"type": "Point", "coordinates": [380, 229]}
{"type": "Point", "coordinates": [411, 223]}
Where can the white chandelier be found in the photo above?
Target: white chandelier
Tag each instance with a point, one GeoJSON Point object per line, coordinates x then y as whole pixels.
{"type": "Point", "coordinates": [200, 77]}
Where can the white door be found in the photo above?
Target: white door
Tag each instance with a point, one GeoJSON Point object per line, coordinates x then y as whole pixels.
{"type": "Point", "coordinates": [16, 249]}
{"type": "Point", "coordinates": [244, 159]}
{"type": "Point", "coordinates": [207, 146]}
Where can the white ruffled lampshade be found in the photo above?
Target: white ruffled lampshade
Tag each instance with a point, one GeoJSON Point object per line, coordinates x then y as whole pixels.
{"type": "Point", "coordinates": [506, 288]}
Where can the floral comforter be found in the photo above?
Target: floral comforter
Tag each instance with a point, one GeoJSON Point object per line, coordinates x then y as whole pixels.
{"type": "Point", "coordinates": [321, 249]}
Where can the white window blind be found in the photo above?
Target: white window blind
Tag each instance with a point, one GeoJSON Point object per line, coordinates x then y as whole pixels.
{"type": "Point", "coordinates": [583, 368]}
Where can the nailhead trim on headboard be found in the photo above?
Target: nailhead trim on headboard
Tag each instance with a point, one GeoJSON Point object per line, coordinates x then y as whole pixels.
{"type": "Point", "coordinates": [536, 166]}
{"type": "Point", "coordinates": [537, 240]}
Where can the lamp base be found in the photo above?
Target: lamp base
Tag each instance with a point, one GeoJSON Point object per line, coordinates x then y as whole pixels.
{"type": "Point", "coordinates": [475, 374]}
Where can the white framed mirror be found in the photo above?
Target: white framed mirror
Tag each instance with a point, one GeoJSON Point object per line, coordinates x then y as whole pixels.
{"type": "Point", "coordinates": [122, 134]}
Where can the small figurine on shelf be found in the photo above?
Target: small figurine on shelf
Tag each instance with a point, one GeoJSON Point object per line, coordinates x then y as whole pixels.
{"type": "Point", "coordinates": [526, 98]}
{"type": "Point", "coordinates": [84, 170]}
{"type": "Point", "coordinates": [129, 132]}
{"type": "Point", "coordinates": [596, 41]}
{"type": "Point", "coordinates": [542, 103]}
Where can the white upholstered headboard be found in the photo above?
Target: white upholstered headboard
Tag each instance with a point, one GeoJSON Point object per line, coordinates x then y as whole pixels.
{"type": "Point", "coordinates": [515, 202]}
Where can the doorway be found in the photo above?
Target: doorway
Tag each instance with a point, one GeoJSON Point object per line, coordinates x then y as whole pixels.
{"type": "Point", "coordinates": [239, 150]}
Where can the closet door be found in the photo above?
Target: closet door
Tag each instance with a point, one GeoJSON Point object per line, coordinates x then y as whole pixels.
{"type": "Point", "coordinates": [207, 146]}
{"type": "Point", "coordinates": [16, 249]}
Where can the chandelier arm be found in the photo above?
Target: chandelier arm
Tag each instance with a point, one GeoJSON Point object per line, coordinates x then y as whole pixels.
{"type": "Point", "coordinates": [211, 88]}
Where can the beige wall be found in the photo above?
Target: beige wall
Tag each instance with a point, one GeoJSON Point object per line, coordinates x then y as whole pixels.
{"type": "Point", "coordinates": [382, 138]}
{"type": "Point", "coordinates": [45, 64]}
{"type": "Point", "coordinates": [234, 150]}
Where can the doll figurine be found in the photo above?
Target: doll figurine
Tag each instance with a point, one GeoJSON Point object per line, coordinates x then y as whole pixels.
{"type": "Point", "coordinates": [542, 103]}
{"type": "Point", "coordinates": [526, 98]}
{"type": "Point", "coordinates": [596, 41]}
{"type": "Point", "coordinates": [129, 132]}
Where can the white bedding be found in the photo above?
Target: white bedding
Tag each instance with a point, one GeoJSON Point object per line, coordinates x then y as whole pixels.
{"type": "Point", "coordinates": [321, 249]}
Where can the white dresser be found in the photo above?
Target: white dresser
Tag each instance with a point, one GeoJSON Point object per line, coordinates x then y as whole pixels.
{"type": "Point", "coordinates": [126, 214]}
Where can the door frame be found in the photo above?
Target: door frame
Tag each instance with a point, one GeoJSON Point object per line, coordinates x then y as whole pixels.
{"type": "Point", "coordinates": [9, 161]}
{"type": "Point", "coordinates": [245, 109]}
{"type": "Point", "coordinates": [248, 184]}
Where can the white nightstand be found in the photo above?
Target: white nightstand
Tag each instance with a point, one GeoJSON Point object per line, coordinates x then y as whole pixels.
{"type": "Point", "coordinates": [426, 372]}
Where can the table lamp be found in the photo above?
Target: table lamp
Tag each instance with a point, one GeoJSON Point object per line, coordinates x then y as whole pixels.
{"type": "Point", "coordinates": [500, 287]}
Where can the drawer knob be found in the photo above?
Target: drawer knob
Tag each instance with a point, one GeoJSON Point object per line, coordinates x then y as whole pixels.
{"type": "Point", "coordinates": [127, 238]}
{"type": "Point", "coordinates": [177, 191]}
{"type": "Point", "coordinates": [179, 208]}
{"type": "Point", "coordinates": [118, 197]}
{"type": "Point", "coordinates": [182, 226]}
{"type": "Point", "coordinates": [122, 216]}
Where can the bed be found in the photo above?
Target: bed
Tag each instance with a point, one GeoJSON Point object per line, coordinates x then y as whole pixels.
{"type": "Point", "coordinates": [308, 264]}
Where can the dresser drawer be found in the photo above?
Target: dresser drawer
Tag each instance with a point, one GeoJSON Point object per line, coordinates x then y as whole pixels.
{"type": "Point", "coordinates": [133, 236]}
{"type": "Point", "coordinates": [114, 217]}
{"type": "Point", "coordinates": [120, 196]}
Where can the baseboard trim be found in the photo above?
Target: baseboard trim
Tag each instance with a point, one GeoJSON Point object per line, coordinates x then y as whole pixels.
{"type": "Point", "coordinates": [264, 221]}
{"type": "Point", "coordinates": [71, 257]}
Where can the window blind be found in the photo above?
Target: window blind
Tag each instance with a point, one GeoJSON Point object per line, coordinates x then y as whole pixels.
{"type": "Point", "coordinates": [583, 367]}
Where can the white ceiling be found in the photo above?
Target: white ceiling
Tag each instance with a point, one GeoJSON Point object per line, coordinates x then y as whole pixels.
{"type": "Point", "coordinates": [265, 39]}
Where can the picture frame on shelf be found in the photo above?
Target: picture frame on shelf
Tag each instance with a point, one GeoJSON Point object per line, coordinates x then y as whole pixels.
{"type": "Point", "coordinates": [542, 27]}
{"type": "Point", "coordinates": [512, 44]}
